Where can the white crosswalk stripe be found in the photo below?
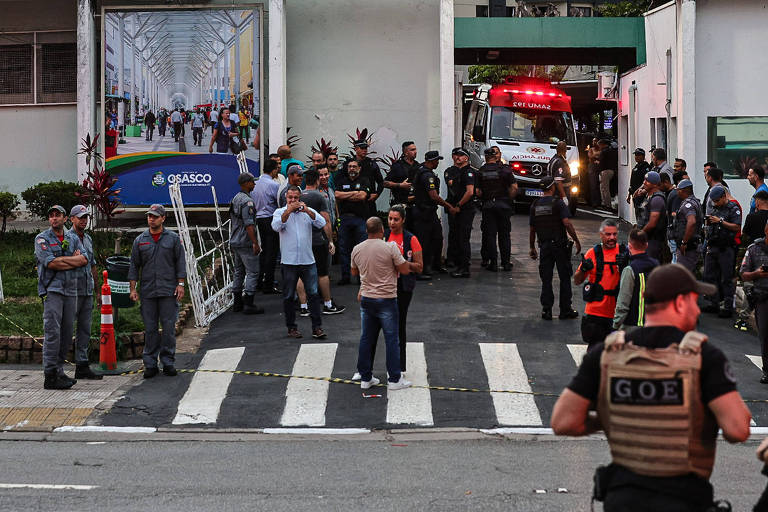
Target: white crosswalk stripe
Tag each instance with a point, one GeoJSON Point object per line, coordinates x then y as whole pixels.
{"type": "Point", "coordinates": [756, 360]}
{"type": "Point", "coordinates": [305, 400]}
{"type": "Point", "coordinates": [577, 353]}
{"type": "Point", "coordinates": [414, 405]}
{"type": "Point", "coordinates": [202, 401]}
{"type": "Point", "coordinates": [505, 371]}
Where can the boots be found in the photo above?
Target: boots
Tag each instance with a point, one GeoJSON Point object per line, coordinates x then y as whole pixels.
{"type": "Point", "coordinates": [83, 371]}
{"type": "Point", "coordinates": [55, 381]}
{"type": "Point", "coordinates": [248, 307]}
{"type": "Point", "coordinates": [238, 306]}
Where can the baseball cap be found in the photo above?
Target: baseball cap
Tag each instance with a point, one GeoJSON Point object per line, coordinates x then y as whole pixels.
{"type": "Point", "coordinates": [432, 155]}
{"type": "Point", "coordinates": [653, 177]}
{"type": "Point", "coordinates": [684, 184]}
{"type": "Point", "coordinates": [244, 177]}
{"type": "Point", "coordinates": [78, 211]}
{"type": "Point", "coordinates": [546, 182]}
{"type": "Point", "coordinates": [668, 281]}
{"type": "Point", "coordinates": [361, 144]}
{"type": "Point", "coordinates": [157, 210]}
{"type": "Point", "coordinates": [639, 151]}
{"type": "Point", "coordinates": [459, 151]}
{"type": "Point", "coordinates": [490, 151]}
{"type": "Point", "coordinates": [57, 207]}
{"type": "Point", "coordinates": [716, 193]}
{"type": "Point", "coordinates": [294, 169]}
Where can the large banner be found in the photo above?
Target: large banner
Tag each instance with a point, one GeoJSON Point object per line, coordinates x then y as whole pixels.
{"type": "Point", "coordinates": [143, 178]}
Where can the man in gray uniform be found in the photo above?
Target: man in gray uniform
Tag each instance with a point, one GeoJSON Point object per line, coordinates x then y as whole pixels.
{"type": "Point", "coordinates": [723, 223]}
{"type": "Point", "coordinates": [58, 255]}
{"type": "Point", "coordinates": [686, 227]}
{"type": "Point", "coordinates": [85, 279]}
{"type": "Point", "coordinates": [245, 247]}
{"type": "Point", "coordinates": [157, 260]}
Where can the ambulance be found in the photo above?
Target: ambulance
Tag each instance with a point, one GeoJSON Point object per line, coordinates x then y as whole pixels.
{"type": "Point", "coordinates": [525, 118]}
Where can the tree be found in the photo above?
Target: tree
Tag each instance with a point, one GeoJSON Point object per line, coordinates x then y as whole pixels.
{"type": "Point", "coordinates": [627, 8]}
{"type": "Point", "coordinates": [495, 74]}
{"type": "Point", "coordinates": [8, 203]}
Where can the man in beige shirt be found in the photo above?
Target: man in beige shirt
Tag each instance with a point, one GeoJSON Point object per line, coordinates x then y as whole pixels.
{"type": "Point", "coordinates": [378, 263]}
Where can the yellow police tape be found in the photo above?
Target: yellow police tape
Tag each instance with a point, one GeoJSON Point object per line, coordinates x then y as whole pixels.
{"type": "Point", "coordinates": [336, 380]}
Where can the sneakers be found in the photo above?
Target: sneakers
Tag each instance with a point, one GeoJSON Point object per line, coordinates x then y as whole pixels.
{"type": "Point", "coordinates": [335, 309]}
{"type": "Point", "coordinates": [356, 376]}
{"type": "Point", "coordinates": [304, 312]}
{"type": "Point", "coordinates": [170, 371]}
{"type": "Point", "coordinates": [568, 314]}
{"type": "Point", "coordinates": [151, 372]}
{"type": "Point", "coordinates": [367, 384]}
{"type": "Point", "coordinates": [400, 384]}
{"type": "Point", "coordinates": [56, 381]}
{"type": "Point", "coordinates": [318, 333]}
{"type": "Point", "coordinates": [741, 325]}
{"type": "Point", "coordinates": [546, 314]}
{"type": "Point", "coordinates": [293, 333]}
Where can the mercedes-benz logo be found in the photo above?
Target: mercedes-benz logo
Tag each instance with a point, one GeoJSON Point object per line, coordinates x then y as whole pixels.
{"type": "Point", "coordinates": [536, 170]}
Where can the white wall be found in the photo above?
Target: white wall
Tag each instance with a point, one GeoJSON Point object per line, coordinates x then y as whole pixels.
{"type": "Point", "coordinates": [730, 71]}
{"type": "Point", "coordinates": [375, 65]}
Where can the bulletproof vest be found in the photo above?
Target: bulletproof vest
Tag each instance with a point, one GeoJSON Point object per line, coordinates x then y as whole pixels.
{"type": "Point", "coordinates": [546, 221]}
{"type": "Point", "coordinates": [681, 220]}
{"type": "Point", "coordinates": [491, 182]}
{"type": "Point", "coordinates": [641, 265]}
{"type": "Point", "coordinates": [660, 231]}
{"type": "Point", "coordinates": [717, 234]}
{"type": "Point", "coordinates": [421, 190]}
{"type": "Point", "coordinates": [649, 405]}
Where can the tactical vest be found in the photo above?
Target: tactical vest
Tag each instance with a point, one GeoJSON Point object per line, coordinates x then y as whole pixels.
{"type": "Point", "coordinates": [641, 264]}
{"type": "Point", "coordinates": [492, 184]}
{"type": "Point", "coordinates": [406, 282]}
{"type": "Point", "coordinates": [681, 221]}
{"type": "Point", "coordinates": [660, 231]}
{"type": "Point", "coordinates": [421, 192]}
{"type": "Point", "coordinates": [717, 234]}
{"type": "Point", "coordinates": [649, 405]}
{"type": "Point", "coordinates": [594, 290]}
{"type": "Point", "coordinates": [453, 184]}
{"type": "Point", "coordinates": [546, 221]}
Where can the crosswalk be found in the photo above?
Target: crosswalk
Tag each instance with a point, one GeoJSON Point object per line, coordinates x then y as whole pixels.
{"type": "Point", "coordinates": [300, 402]}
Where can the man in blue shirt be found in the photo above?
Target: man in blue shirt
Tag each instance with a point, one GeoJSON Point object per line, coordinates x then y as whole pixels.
{"type": "Point", "coordinates": [294, 223]}
{"type": "Point", "coordinates": [286, 159]}
{"type": "Point", "coordinates": [756, 177]}
{"type": "Point", "coordinates": [264, 195]}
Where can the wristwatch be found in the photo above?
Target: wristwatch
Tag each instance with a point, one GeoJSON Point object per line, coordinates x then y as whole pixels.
{"type": "Point", "coordinates": [180, 283]}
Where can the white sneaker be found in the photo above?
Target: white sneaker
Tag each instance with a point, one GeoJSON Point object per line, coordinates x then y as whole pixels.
{"type": "Point", "coordinates": [356, 376]}
{"type": "Point", "coordinates": [366, 384]}
{"type": "Point", "coordinates": [400, 384]}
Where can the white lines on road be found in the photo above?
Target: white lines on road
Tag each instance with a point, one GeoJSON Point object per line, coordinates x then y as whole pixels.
{"type": "Point", "coordinates": [306, 399]}
{"type": "Point", "coordinates": [72, 487]}
{"type": "Point", "coordinates": [505, 371]}
{"type": "Point", "coordinates": [106, 428]}
{"type": "Point", "coordinates": [413, 405]}
{"type": "Point", "coordinates": [318, 431]}
{"type": "Point", "coordinates": [577, 352]}
{"type": "Point", "coordinates": [202, 401]}
{"type": "Point", "coordinates": [756, 360]}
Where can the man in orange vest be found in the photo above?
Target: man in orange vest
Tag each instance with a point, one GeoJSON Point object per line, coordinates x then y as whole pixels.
{"type": "Point", "coordinates": [660, 393]}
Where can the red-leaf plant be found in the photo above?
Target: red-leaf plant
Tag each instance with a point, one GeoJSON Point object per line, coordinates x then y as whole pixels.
{"type": "Point", "coordinates": [325, 147]}
{"type": "Point", "coordinates": [97, 185]}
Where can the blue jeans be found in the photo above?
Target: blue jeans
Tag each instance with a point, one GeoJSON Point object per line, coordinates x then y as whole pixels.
{"type": "Point", "coordinates": [308, 275]}
{"type": "Point", "coordinates": [375, 315]}
{"type": "Point", "coordinates": [351, 232]}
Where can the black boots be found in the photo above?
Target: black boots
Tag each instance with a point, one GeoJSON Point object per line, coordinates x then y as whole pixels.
{"type": "Point", "coordinates": [83, 371]}
{"type": "Point", "coordinates": [238, 306]}
{"type": "Point", "coordinates": [53, 380]}
{"type": "Point", "coordinates": [248, 307]}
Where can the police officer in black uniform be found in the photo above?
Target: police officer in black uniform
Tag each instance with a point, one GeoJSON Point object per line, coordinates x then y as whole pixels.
{"type": "Point", "coordinates": [460, 180]}
{"type": "Point", "coordinates": [399, 180]}
{"type": "Point", "coordinates": [549, 221]}
{"type": "Point", "coordinates": [370, 171]}
{"type": "Point", "coordinates": [426, 225]}
{"type": "Point", "coordinates": [496, 186]}
{"type": "Point", "coordinates": [668, 377]}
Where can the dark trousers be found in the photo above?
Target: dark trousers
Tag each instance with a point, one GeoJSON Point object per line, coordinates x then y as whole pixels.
{"type": "Point", "coordinates": [594, 185]}
{"type": "Point", "coordinates": [655, 248]}
{"type": "Point", "coordinates": [452, 251]}
{"type": "Point", "coordinates": [177, 127]}
{"type": "Point", "coordinates": [428, 230]}
{"type": "Point", "coordinates": [761, 318]}
{"type": "Point", "coordinates": [161, 130]}
{"type": "Point", "coordinates": [270, 244]}
{"type": "Point", "coordinates": [594, 329]}
{"type": "Point", "coordinates": [555, 254]}
{"type": "Point", "coordinates": [403, 301]}
{"type": "Point", "coordinates": [351, 233]}
{"type": "Point", "coordinates": [497, 226]}
{"type": "Point", "coordinates": [197, 135]}
{"type": "Point", "coordinates": [719, 269]}
{"type": "Point", "coordinates": [308, 276]}
{"type": "Point", "coordinates": [150, 131]}
{"type": "Point", "coordinates": [459, 233]}
{"type": "Point", "coordinates": [163, 311]}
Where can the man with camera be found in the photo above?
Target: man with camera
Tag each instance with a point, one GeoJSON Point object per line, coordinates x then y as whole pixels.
{"type": "Point", "coordinates": [722, 225]}
{"type": "Point", "coordinates": [754, 268]}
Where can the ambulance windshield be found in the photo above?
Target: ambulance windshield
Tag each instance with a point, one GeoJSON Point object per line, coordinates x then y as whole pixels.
{"type": "Point", "coordinates": [541, 126]}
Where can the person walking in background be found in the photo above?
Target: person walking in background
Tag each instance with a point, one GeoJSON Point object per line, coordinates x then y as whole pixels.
{"type": "Point", "coordinates": [222, 133]}
{"type": "Point", "coordinates": [593, 172]}
{"type": "Point", "coordinates": [609, 163]}
{"type": "Point", "coordinates": [636, 194]}
{"type": "Point", "coordinates": [178, 124]}
{"type": "Point", "coordinates": [198, 125]}
{"type": "Point", "coordinates": [149, 122]}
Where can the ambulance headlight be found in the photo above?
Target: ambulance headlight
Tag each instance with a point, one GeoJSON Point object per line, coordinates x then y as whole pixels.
{"type": "Point", "coordinates": [574, 190]}
{"type": "Point", "coordinates": [574, 168]}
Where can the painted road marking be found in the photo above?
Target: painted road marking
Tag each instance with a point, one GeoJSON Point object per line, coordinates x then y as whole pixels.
{"type": "Point", "coordinates": [756, 360]}
{"type": "Point", "coordinates": [412, 405]}
{"type": "Point", "coordinates": [577, 353]}
{"type": "Point", "coordinates": [505, 371]}
{"type": "Point", "coordinates": [50, 486]}
{"type": "Point", "coordinates": [305, 400]}
{"type": "Point", "coordinates": [202, 401]}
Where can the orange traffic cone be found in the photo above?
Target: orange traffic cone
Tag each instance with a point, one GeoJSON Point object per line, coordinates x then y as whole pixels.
{"type": "Point", "coordinates": [107, 353]}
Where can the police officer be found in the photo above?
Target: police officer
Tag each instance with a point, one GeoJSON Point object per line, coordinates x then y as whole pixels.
{"type": "Point", "coordinates": [636, 193]}
{"type": "Point", "coordinates": [426, 225]}
{"type": "Point", "coordinates": [676, 376]}
{"type": "Point", "coordinates": [59, 255]}
{"type": "Point", "coordinates": [369, 170]}
{"type": "Point", "coordinates": [549, 221]}
{"type": "Point", "coordinates": [754, 270]}
{"type": "Point", "coordinates": [686, 227]}
{"type": "Point", "coordinates": [85, 283]}
{"type": "Point", "coordinates": [399, 180]}
{"type": "Point", "coordinates": [722, 225]}
{"type": "Point", "coordinates": [653, 218]}
{"type": "Point", "coordinates": [496, 186]}
{"type": "Point", "coordinates": [460, 181]}
{"type": "Point", "coordinates": [158, 261]}
{"type": "Point", "coordinates": [560, 171]}
{"type": "Point", "coordinates": [245, 247]}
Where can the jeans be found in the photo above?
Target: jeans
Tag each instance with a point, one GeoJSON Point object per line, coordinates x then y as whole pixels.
{"type": "Point", "coordinates": [606, 175]}
{"type": "Point", "coordinates": [308, 275]}
{"type": "Point", "coordinates": [164, 310]}
{"type": "Point", "coordinates": [197, 135]}
{"type": "Point", "coordinates": [58, 317]}
{"type": "Point", "coordinates": [673, 249]}
{"type": "Point", "coordinates": [270, 244]}
{"type": "Point", "coordinates": [403, 301]}
{"type": "Point", "coordinates": [351, 232]}
{"type": "Point", "coordinates": [83, 333]}
{"type": "Point", "coordinates": [376, 315]}
{"type": "Point", "coordinates": [555, 254]}
{"type": "Point", "coordinates": [246, 270]}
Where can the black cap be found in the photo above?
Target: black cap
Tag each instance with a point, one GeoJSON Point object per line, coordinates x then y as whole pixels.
{"type": "Point", "coordinates": [489, 151]}
{"type": "Point", "coordinates": [361, 144]}
{"type": "Point", "coordinates": [460, 151]}
{"type": "Point", "coordinates": [668, 281]}
{"type": "Point", "coordinates": [432, 155]}
{"type": "Point", "coordinates": [546, 182]}
{"type": "Point", "coordinates": [639, 151]}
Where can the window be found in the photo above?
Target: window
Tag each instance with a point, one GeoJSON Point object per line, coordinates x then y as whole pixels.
{"type": "Point", "coordinates": [38, 68]}
{"type": "Point", "coordinates": [481, 11]}
{"type": "Point", "coordinates": [580, 12]}
{"type": "Point", "coordinates": [737, 143]}
{"type": "Point", "coordinates": [532, 126]}
{"type": "Point", "coordinates": [478, 132]}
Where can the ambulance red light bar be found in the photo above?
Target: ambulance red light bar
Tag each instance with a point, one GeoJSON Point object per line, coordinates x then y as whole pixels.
{"type": "Point", "coordinates": [518, 168]}
{"type": "Point", "coordinates": [534, 93]}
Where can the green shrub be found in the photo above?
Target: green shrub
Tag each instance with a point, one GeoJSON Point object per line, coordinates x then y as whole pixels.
{"type": "Point", "coordinates": [8, 203]}
{"type": "Point", "coordinates": [44, 195]}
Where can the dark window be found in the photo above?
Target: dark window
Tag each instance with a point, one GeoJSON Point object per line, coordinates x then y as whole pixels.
{"type": "Point", "coordinates": [16, 74]}
{"type": "Point", "coordinates": [510, 12]}
{"type": "Point", "coordinates": [57, 67]}
{"type": "Point", "coordinates": [481, 11]}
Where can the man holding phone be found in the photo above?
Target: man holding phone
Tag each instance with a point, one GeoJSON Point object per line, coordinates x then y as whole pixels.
{"type": "Point", "coordinates": [723, 223]}
{"type": "Point", "coordinates": [754, 268]}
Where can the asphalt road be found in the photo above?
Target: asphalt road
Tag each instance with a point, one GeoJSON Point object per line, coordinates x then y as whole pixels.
{"type": "Point", "coordinates": [323, 475]}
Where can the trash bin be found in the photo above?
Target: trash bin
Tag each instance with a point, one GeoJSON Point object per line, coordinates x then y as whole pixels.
{"type": "Point", "coordinates": [117, 278]}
